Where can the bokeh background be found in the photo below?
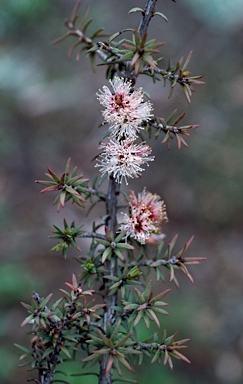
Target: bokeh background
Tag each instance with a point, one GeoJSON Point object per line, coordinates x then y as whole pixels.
{"type": "Point", "coordinates": [49, 112]}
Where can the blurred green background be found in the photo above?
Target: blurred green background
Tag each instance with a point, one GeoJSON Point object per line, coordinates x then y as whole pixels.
{"type": "Point", "coordinates": [49, 112]}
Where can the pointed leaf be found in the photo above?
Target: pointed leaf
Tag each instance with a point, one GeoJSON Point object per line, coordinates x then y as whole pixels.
{"type": "Point", "coordinates": [136, 9]}
{"type": "Point", "coordinates": [162, 15]}
{"type": "Point", "coordinates": [27, 320]}
{"type": "Point", "coordinates": [46, 300]}
{"type": "Point", "coordinates": [26, 350]}
{"type": "Point", "coordinates": [65, 350]}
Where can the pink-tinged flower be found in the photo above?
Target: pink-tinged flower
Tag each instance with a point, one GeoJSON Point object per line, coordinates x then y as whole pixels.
{"type": "Point", "coordinates": [125, 109]}
{"type": "Point", "coordinates": [146, 212]}
{"type": "Point", "coordinates": [123, 159]}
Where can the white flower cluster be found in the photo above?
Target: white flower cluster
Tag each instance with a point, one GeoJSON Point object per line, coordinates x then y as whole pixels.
{"type": "Point", "coordinates": [125, 111]}
{"type": "Point", "coordinates": [146, 212]}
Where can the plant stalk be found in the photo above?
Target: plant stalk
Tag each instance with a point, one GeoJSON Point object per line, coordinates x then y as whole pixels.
{"type": "Point", "coordinates": [111, 222]}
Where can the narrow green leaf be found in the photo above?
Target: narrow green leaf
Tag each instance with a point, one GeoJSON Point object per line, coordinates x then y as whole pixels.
{"type": "Point", "coordinates": [124, 246]}
{"type": "Point", "coordinates": [160, 310]}
{"type": "Point", "coordinates": [64, 350]}
{"type": "Point", "coordinates": [106, 254]}
{"type": "Point", "coordinates": [147, 292]}
{"type": "Point", "coordinates": [26, 350]}
{"type": "Point", "coordinates": [119, 254]}
{"type": "Point", "coordinates": [138, 318]}
{"type": "Point", "coordinates": [146, 320]}
{"type": "Point", "coordinates": [27, 320]}
{"type": "Point", "coordinates": [159, 296]}
{"type": "Point", "coordinates": [46, 300]}
{"type": "Point", "coordinates": [156, 356]}
{"type": "Point", "coordinates": [47, 352]}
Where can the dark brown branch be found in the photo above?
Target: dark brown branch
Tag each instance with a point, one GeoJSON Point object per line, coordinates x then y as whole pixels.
{"type": "Point", "coordinates": [111, 222]}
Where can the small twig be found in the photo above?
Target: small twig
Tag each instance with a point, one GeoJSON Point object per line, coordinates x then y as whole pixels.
{"type": "Point", "coordinates": [93, 235]}
{"type": "Point", "coordinates": [147, 15]}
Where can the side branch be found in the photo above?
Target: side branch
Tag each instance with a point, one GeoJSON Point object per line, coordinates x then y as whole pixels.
{"type": "Point", "coordinates": [92, 235]}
